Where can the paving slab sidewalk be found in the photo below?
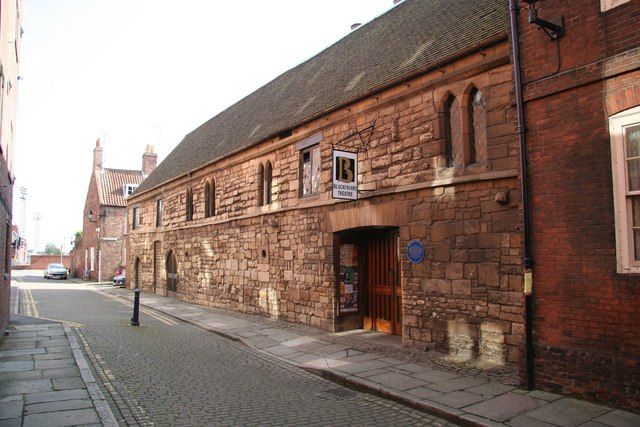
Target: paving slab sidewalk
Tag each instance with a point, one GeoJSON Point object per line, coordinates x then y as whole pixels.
{"type": "Point", "coordinates": [44, 377]}
{"type": "Point", "coordinates": [467, 396]}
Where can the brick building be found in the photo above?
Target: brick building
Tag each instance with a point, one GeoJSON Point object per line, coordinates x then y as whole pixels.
{"type": "Point", "coordinates": [581, 96]}
{"type": "Point", "coordinates": [10, 43]}
{"type": "Point", "coordinates": [241, 215]}
{"type": "Point", "coordinates": [101, 252]}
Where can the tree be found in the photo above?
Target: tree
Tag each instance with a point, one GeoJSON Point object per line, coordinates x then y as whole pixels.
{"type": "Point", "coordinates": [51, 249]}
{"type": "Point", "coordinates": [77, 239]}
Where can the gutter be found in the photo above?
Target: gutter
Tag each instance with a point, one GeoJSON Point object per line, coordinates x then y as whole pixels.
{"type": "Point", "coordinates": [524, 188]}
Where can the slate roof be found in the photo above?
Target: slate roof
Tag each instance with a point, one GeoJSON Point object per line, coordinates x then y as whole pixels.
{"type": "Point", "coordinates": [408, 39]}
{"type": "Point", "coordinates": [110, 183]}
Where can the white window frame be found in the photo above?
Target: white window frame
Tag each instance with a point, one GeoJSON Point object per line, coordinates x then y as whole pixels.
{"type": "Point", "coordinates": [310, 150]}
{"type": "Point", "coordinates": [128, 189]}
{"type": "Point", "coordinates": [622, 201]}
{"type": "Point", "coordinates": [136, 218]}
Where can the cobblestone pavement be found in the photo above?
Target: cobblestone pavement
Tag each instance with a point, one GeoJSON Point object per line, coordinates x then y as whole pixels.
{"type": "Point", "coordinates": [167, 372]}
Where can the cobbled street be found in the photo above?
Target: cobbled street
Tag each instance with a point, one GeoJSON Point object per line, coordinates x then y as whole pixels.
{"type": "Point", "coordinates": [167, 372]}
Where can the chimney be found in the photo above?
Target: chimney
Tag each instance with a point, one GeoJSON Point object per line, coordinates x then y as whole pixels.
{"type": "Point", "coordinates": [149, 160]}
{"type": "Point", "coordinates": [97, 155]}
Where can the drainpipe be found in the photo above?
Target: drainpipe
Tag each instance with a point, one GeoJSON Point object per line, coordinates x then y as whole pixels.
{"type": "Point", "coordinates": [524, 188]}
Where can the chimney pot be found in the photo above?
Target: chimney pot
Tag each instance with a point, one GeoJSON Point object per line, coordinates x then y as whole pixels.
{"type": "Point", "coordinates": [97, 155]}
{"type": "Point", "coordinates": [149, 160]}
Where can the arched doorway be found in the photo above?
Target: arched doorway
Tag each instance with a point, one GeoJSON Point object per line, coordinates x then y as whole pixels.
{"type": "Point", "coordinates": [172, 274]}
{"type": "Point", "coordinates": [136, 274]}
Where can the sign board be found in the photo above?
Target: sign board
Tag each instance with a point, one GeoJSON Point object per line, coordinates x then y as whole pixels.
{"type": "Point", "coordinates": [345, 175]}
{"type": "Point", "coordinates": [415, 251]}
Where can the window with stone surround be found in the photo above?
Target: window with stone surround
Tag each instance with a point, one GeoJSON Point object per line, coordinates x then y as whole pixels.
{"type": "Point", "coordinates": [209, 198]}
{"type": "Point", "coordinates": [93, 258]}
{"type": "Point", "coordinates": [610, 4]}
{"type": "Point", "coordinates": [265, 175]}
{"type": "Point", "coordinates": [136, 217]}
{"type": "Point", "coordinates": [624, 130]}
{"type": "Point", "coordinates": [310, 171]}
{"type": "Point", "coordinates": [268, 176]}
{"type": "Point", "coordinates": [478, 127]}
{"type": "Point", "coordinates": [159, 212]}
{"type": "Point", "coordinates": [189, 205]}
{"type": "Point", "coordinates": [453, 148]}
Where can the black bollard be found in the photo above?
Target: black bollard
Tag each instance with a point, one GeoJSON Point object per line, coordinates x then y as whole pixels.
{"type": "Point", "coordinates": [136, 308]}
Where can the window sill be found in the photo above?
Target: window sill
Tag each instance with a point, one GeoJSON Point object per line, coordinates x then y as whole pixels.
{"type": "Point", "coordinates": [625, 271]}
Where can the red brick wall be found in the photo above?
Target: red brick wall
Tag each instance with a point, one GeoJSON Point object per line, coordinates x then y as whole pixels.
{"type": "Point", "coordinates": [40, 262]}
{"type": "Point", "coordinates": [587, 316]}
{"type": "Point", "coordinates": [6, 197]}
{"type": "Point", "coordinates": [110, 220]}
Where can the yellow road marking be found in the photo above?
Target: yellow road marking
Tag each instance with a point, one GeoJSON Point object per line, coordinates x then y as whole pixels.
{"type": "Point", "coordinates": [31, 304]}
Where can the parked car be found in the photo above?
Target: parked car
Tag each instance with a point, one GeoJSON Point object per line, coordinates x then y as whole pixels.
{"type": "Point", "coordinates": [119, 280]}
{"type": "Point", "coordinates": [56, 271]}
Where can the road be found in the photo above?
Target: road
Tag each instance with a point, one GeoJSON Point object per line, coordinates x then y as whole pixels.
{"type": "Point", "coordinates": [167, 372]}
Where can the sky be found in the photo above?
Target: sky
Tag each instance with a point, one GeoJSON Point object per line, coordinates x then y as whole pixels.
{"type": "Point", "coordinates": [138, 72]}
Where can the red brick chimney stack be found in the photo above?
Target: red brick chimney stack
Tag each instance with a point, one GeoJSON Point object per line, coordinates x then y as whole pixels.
{"type": "Point", "coordinates": [97, 155]}
{"type": "Point", "coordinates": [149, 160]}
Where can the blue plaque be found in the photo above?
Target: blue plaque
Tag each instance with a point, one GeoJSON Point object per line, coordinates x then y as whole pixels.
{"type": "Point", "coordinates": [415, 251]}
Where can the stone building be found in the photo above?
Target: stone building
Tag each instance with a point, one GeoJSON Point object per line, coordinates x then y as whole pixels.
{"type": "Point", "coordinates": [101, 252]}
{"type": "Point", "coordinates": [581, 95]}
{"type": "Point", "coordinates": [241, 214]}
{"type": "Point", "coordinates": [10, 44]}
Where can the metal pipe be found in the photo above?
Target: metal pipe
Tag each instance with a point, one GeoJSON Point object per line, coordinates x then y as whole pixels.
{"type": "Point", "coordinates": [524, 188]}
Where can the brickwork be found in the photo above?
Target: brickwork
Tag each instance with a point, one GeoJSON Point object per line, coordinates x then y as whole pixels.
{"type": "Point", "coordinates": [10, 23]}
{"type": "Point", "coordinates": [104, 224]}
{"type": "Point", "coordinates": [40, 262]}
{"type": "Point", "coordinates": [278, 259]}
{"type": "Point", "coordinates": [6, 198]}
{"type": "Point", "coordinates": [586, 315]}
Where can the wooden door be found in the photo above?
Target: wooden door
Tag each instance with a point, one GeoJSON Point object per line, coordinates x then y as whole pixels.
{"type": "Point", "coordinates": [172, 274]}
{"type": "Point", "coordinates": [385, 294]}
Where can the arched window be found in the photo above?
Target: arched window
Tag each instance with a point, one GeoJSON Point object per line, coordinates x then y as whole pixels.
{"type": "Point", "coordinates": [189, 205]}
{"type": "Point", "coordinates": [268, 172]}
{"type": "Point", "coordinates": [172, 272]}
{"type": "Point", "coordinates": [207, 199]}
{"type": "Point", "coordinates": [260, 185]}
{"type": "Point", "coordinates": [453, 143]}
{"type": "Point", "coordinates": [478, 124]}
{"type": "Point", "coordinates": [212, 197]}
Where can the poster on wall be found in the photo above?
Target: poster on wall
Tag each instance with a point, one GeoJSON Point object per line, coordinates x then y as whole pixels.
{"type": "Point", "coordinates": [348, 279]}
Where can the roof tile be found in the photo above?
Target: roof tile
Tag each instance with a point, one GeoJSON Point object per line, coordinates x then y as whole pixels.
{"type": "Point", "coordinates": [111, 183]}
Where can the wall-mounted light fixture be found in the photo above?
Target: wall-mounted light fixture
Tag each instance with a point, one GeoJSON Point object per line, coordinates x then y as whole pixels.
{"type": "Point", "coordinates": [91, 216]}
{"type": "Point", "coordinates": [553, 27]}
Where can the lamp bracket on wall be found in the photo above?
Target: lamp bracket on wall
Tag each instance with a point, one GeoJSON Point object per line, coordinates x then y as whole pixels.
{"type": "Point", "coordinates": [553, 27]}
{"type": "Point", "coordinates": [364, 135]}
